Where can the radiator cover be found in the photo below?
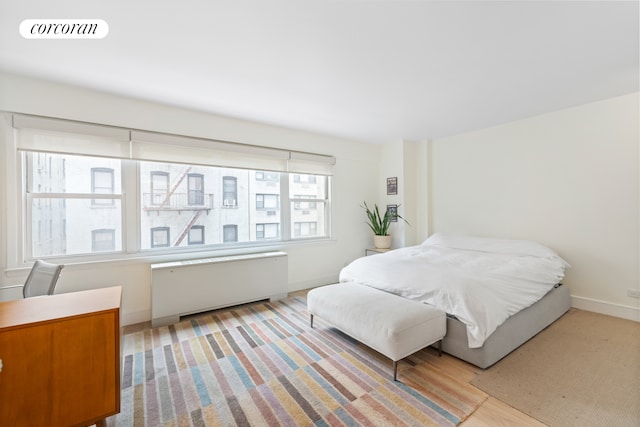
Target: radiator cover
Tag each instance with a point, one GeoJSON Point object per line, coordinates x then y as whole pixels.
{"type": "Point", "coordinates": [194, 286]}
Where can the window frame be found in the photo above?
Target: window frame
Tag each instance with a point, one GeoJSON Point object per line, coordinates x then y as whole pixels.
{"type": "Point", "coordinates": [191, 242]}
{"type": "Point", "coordinates": [111, 232]}
{"type": "Point", "coordinates": [152, 190]}
{"type": "Point", "coordinates": [33, 160]}
{"type": "Point", "coordinates": [264, 225]}
{"type": "Point", "coordinates": [154, 230]}
{"type": "Point", "coordinates": [130, 236]}
{"type": "Point", "coordinates": [226, 227]}
{"type": "Point", "coordinates": [111, 188]}
{"type": "Point", "coordinates": [261, 199]}
{"type": "Point", "coordinates": [297, 229]}
{"type": "Point", "coordinates": [197, 193]}
{"type": "Point", "coordinates": [228, 201]}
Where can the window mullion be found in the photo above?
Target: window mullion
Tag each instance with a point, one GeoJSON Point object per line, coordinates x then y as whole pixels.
{"type": "Point", "coordinates": [131, 207]}
{"type": "Point", "coordinates": [22, 214]}
{"type": "Point", "coordinates": [27, 242]}
{"type": "Point", "coordinates": [285, 207]}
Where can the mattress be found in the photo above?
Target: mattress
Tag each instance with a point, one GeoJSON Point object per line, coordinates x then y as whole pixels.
{"type": "Point", "coordinates": [514, 332]}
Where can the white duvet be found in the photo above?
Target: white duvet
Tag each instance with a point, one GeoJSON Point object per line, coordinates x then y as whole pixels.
{"type": "Point", "coordinates": [480, 281]}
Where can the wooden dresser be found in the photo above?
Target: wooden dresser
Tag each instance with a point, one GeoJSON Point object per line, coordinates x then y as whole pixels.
{"type": "Point", "coordinates": [60, 358]}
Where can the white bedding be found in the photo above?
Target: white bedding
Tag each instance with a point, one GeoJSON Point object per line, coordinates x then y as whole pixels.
{"type": "Point", "coordinates": [480, 281]}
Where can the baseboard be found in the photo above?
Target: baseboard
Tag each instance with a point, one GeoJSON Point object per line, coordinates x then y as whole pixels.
{"type": "Point", "coordinates": [610, 309]}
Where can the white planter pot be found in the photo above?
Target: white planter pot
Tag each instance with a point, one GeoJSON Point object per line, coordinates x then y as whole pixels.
{"type": "Point", "coordinates": [382, 242]}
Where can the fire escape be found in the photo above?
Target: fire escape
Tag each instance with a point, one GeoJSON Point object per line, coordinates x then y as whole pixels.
{"type": "Point", "coordinates": [193, 202]}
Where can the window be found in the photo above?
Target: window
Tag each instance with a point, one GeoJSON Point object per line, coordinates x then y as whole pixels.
{"type": "Point", "coordinates": [304, 205]}
{"type": "Point", "coordinates": [304, 179]}
{"type": "Point", "coordinates": [267, 231]}
{"type": "Point", "coordinates": [65, 189]}
{"type": "Point", "coordinates": [103, 240]}
{"type": "Point", "coordinates": [305, 229]}
{"type": "Point", "coordinates": [196, 235]}
{"type": "Point", "coordinates": [120, 194]}
{"type": "Point", "coordinates": [195, 184]}
{"type": "Point", "coordinates": [159, 187]}
{"type": "Point", "coordinates": [267, 176]}
{"type": "Point", "coordinates": [309, 196]}
{"type": "Point", "coordinates": [160, 237]}
{"type": "Point", "coordinates": [230, 233]}
{"type": "Point", "coordinates": [101, 183]}
{"type": "Point", "coordinates": [266, 201]}
{"type": "Point", "coordinates": [229, 191]}
{"type": "Point", "coordinates": [174, 211]}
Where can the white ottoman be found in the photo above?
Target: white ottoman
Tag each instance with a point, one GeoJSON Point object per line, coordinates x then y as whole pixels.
{"type": "Point", "coordinates": [391, 325]}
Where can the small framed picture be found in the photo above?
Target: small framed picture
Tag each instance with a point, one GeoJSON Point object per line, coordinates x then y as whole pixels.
{"type": "Point", "coordinates": [392, 210]}
{"type": "Point", "coordinates": [392, 185]}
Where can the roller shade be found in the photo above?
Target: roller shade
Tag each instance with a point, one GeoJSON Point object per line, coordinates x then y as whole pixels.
{"type": "Point", "coordinates": [196, 151]}
{"type": "Point", "coordinates": [313, 164]}
{"type": "Point", "coordinates": [37, 133]}
{"type": "Point", "coordinates": [69, 137]}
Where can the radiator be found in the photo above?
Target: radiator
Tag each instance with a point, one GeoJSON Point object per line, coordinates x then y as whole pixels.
{"type": "Point", "coordinates": [194, 286]}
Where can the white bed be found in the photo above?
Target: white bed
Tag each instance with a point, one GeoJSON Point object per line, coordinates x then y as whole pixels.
{"type": "Point", "coordinates": [497, 293]}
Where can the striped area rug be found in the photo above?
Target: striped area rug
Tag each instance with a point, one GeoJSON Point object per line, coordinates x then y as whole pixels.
{"type": "Point", "coordinates": [262, 365]}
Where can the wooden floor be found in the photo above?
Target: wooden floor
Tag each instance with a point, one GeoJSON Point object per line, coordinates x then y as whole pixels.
{"type": "Point", "coordinates": [492, 413]}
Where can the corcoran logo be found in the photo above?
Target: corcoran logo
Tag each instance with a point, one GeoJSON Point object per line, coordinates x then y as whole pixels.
{"type": "Point", "coordinates": [64, 29]}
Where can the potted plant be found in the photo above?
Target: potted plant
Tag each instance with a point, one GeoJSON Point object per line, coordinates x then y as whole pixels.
{"type": "Point", "coordinates": [379, 224]}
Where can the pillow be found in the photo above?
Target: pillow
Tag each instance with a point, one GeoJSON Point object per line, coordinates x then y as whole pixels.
{"type": "Point", "coordinates": [492, 245]}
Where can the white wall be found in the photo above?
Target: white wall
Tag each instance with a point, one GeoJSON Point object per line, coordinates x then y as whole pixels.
{"type": "Point", "coordinates": [405, 160]}
{"type": "Point", "coordinates": [568, 179]}
{"type": "Point", "coordinates": [313, 264]}
{"type": "Point", "coordinates": [391, 165]}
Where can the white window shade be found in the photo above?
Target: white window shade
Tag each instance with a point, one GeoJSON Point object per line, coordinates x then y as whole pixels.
{"type": "Point", "coordinates": [196, 151]}
{"type": "Point", "coordinates": [311, 164]}
{"type": "Point", "coordinates": [68, 137]}
{"type": "Point", "coordinates": [199, 151]}
{"type": "Point", "coordinates": [37, 133]}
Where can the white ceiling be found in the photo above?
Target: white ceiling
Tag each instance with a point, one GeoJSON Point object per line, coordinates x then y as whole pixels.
{"type": "Point", "coordinates": [373, 71]}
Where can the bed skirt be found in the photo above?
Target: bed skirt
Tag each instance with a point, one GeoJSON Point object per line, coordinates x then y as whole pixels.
{"type": "Point", "coordinates": [518, 329]}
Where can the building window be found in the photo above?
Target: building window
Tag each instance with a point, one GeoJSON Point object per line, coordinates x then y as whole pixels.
{"type": "Point", "coordinates": [103, 240]}
{"type": "Point", "coordinates": [160, 237]}
{"type": "Point", "coordinates": [304, 179]}
{"type": "Point", "coordinates": [102, 182]}
{"type": "Point", "coordinates": [305, 229]}
{"type": "Point", "coordinates": [267, 231]}
{"type": "Point", "coordinates": [267, 201]}
{"type": "Point", "coordinates": [195, 188]}
{"type": "Point", "coordinates": [230, 233]}
{"type": "Point", "coordinates": [309, 198]}
{"type": "Point", "coordinates": [300, 205]}
{"type": "Point", "coordinates": [159, 187]}
{"type": "Point", "coordinates": [267, 176]}
{"type": "Point", "coordinates": [229, 191]}
{"type": "Point", "coordinates": [196, 235]}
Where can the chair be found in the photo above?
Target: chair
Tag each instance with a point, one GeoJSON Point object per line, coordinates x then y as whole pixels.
{"type": "Point", "coordinates": [42, 279]}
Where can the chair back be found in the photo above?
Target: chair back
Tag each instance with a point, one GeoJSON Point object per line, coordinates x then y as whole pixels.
{"type": "Point", "coordinates": [42, 279]}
